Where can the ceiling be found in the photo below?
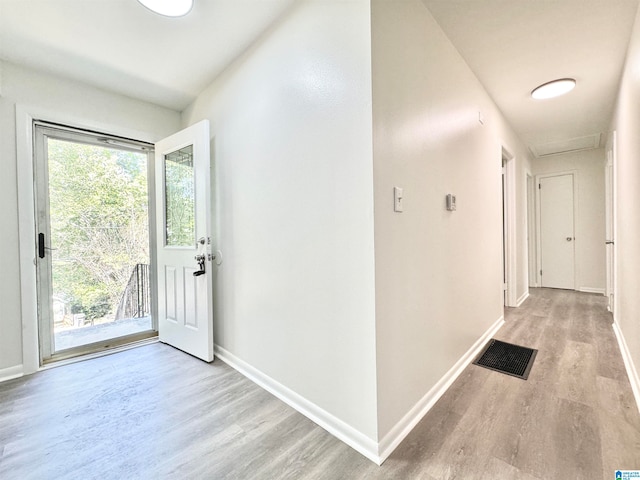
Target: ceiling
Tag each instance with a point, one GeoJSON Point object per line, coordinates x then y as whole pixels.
{"type": "Point", "coordinates": [511, 45]}
{"type": "Point", "coordinates": [515, 45]}
{"type": "Point", "coordinates": [121, 46]}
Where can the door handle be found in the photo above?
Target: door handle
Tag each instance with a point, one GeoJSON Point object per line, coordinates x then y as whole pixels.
{"type": "Point", "coordinates": [200, 259]}
{"type": "Point", "coordinates": [609, 242]}
{"type": "Point", "coordinates": [42, 248]}
{"type": "Point", "coordinates": [569, 239]}
{"type": "Point", "coordinates": [41, 245]}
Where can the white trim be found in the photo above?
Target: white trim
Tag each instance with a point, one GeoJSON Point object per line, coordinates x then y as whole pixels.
{"type": "Point", "coordinates": [632, 373]}
{"type": "Point", "coordinates": [344, 432]}
{"type": "Point", "coordinates": [530, 194]}
{"type": "Point", "coordinates": [510, 222]}
{"type": "Point", "coordinates": [10, 373]}
{"type": "Point", "coordinates": [601, 291]}
{"type": "Point", "coordinates": [608, 175]}
{"type": "Point", "coordinates": [522, 299]}
{"type": "Point", "coordinates": [398, 433]}
{"type": "Point", "coordinates": [27, 235]}
{"type": "Point", "coordinates": [376, 452]}
{"type": "Point", "coordinates": [614, 159]}
{"type": "Point", "coordinates": [512, 249]}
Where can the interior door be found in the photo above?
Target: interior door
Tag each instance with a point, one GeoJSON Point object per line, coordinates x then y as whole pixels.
{"type": "Point", "coordinates": [610, 237]}
{"type": "Point", "coordinates": [185, 318]}
{"type": "Point", "coordinates": [557, 238]}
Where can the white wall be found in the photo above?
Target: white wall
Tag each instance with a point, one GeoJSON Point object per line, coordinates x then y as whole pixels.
{"type": "Point", "coordinates": [626, 122]}
{"type": "Point", "coordinates": [63, 99]}
{"type": "Point", "coordinates": [590, 212]}
{"type": "Point", "coordinates": [301, 158]}
{"type": "Point", "coordinates": [438, 273]}
{"type": "Point", "coordinates": [291, 128]}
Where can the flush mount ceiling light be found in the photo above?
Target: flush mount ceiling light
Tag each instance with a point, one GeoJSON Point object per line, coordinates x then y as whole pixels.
{"type": "Point", "coordinates": [553, 89]}
{"type": "Point", "coordinates": [168, 8]}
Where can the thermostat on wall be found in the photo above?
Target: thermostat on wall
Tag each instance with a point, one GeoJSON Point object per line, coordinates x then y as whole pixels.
{"type": "Point", "coordinates": [397, 199]}
{"type": "Point", "coordinates": [451, 202]}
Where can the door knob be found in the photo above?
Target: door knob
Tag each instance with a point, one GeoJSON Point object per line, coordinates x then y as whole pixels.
{"type": "Point", "coordinates": [569, 239]}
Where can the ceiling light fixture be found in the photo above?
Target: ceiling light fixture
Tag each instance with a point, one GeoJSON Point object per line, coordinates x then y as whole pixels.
{"type": "Point", "coordinates": [553, 89]}
{"type": "Point", "coordinates": [168, 8]}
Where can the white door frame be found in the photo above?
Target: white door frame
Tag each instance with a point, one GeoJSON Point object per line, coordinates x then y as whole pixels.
{"type": "Point", "coordinates": [530, 189]}
{"type": "Point", "coordinates": [574, 174]}
{"type": "Point", "coordinates": [25, 115]}
{"type": "Point", "coordinates": [509, 224]}
{"type": "Point", "coordinates": [611, 225]}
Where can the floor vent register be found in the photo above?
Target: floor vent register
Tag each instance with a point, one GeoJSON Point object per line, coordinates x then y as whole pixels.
{"type": "Point", "coordinates": [507, 358]}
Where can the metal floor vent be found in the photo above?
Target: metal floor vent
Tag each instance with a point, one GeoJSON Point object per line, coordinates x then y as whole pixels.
{"type": "Point", "coordinates": [507, 358]}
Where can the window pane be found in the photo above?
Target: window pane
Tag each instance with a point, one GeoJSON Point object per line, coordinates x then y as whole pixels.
{"type": "Point", "coordinates": [98, 213]}
{"type": "Point", "coordinates": [180, 199]}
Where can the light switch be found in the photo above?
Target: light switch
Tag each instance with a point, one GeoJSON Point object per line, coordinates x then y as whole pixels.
{"type": "Point", "coordinates": [397, 199]}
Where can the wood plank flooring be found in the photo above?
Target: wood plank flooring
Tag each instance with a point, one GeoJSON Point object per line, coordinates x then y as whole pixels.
{"type": "Point", "coordinates": [156, 413]}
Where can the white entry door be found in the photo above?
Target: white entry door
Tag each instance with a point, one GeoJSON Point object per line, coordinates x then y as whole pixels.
{"type": "Point", "coordinates": [183, 221]}
{"type": "Point", "coordinates": [557, 237]}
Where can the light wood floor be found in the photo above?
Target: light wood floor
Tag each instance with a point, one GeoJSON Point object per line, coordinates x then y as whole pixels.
{"type": "Point", "coordinates": [156, 413]}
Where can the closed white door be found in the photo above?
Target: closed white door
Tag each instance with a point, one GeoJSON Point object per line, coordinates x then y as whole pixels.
{"type": "Point", "coordinates": [185, 318]}
{"type": "Point", "coordinates": [557, 237]}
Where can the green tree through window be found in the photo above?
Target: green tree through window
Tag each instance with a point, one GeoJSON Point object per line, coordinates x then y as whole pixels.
{"type": "Point", "coordinates": [99, 223]}
{"type": "Point", "coordinates": [180, 198]}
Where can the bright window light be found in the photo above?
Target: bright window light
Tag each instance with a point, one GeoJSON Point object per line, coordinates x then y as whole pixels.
{"type": "Point", "coordinates": [553, 89]}
{"type": "Point", "coordinates": [168, 8]}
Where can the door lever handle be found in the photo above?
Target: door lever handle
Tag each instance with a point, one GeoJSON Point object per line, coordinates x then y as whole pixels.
{"type": "Point", "coordinates": [41, 245]}
{"type": "Point", "coordinates": [42, 248]}
{"type": "Point", "coordinates": [200, 259]}
{"type": "Point", "coordinates": [609, 242]}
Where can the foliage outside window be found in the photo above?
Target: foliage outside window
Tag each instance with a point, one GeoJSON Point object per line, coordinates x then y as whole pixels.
{"type": "Point", "coordinates": [180, 198]}
{"type": "Point", "coordinates": [99, 223]}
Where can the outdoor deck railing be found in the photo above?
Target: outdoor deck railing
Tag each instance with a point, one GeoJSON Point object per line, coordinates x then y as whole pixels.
{"type": "Point", "coordinates": [136, 298]}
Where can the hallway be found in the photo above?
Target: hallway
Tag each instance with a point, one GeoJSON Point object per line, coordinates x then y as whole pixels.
{"type": "Point", "coordinates": [153, 412]}
{"type": "Point", "coordinates": [575, 417]}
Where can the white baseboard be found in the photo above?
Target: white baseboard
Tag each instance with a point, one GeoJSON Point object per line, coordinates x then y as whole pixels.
{"type": "Point", "coordinates": [628, 363]}
{"type": "Point", "coordinates": [398, 433]}
{"type": "Point", "coordinates": [10, 373]}
{"type": "Point", "coordinates": [591, 290]}
{"type": "Point", "coordinates": [349, 435]}
{"type": "Point", "coordinates": [521, 300]}
{"type": "Point", "coordinates": [376, 452]}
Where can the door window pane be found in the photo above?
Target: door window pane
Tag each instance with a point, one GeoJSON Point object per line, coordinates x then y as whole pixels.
{"type": "Point", "coordinates": [179, 198]}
